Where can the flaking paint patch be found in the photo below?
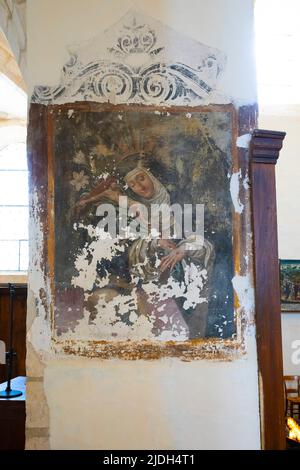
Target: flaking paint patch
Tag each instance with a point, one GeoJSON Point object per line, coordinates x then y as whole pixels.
{"type": "Point", "coordinates": [235, 191]}
{"type": "Point", "coordinates": [190, 290]}
{"type": "Point", "coordinates": [245, 293]}
{"type": "Point", "coordinates": [108, 325]}
{"type": "Point", "coordinates": [243, 141]}
{"type": "Point", "coordinates": [39, 331]}
{"type": "Point", "coordinates": [246, 182]}
{"type": "Point", "coordinates": [103, 246]}
{"type": "Point", "coordinates": [106, 321]}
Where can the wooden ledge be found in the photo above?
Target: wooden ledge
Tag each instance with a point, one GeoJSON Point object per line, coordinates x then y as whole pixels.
{"type": "Point", "coordinates": [266, 145]}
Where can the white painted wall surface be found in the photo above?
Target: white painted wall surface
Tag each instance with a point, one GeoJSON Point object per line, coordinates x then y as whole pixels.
{"type": "Point", "coordinates": [291, 343]}
{"type": "Point", "coordinates": [170, 404]}
{"type": "Point", "coordinates": [153, 405]}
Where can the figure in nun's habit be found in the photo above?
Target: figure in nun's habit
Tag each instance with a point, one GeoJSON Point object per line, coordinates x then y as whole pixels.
{"type": "Point", "coordinates": [159, 265]}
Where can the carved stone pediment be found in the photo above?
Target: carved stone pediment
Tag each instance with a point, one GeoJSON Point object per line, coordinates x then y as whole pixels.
{"type": "Point", "coordinates": [137, 60]}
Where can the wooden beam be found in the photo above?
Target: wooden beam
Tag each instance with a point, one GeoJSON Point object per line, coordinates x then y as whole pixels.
{"type": "Point", "coordinates": [8, 63]}
{"type": "Point", "coordinates": [264, 151]}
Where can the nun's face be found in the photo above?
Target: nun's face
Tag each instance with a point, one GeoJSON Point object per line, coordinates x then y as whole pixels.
{"type": "Point", "coordinates": [141, 184]}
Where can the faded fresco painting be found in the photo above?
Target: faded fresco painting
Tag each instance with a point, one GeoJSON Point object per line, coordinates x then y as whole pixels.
{"type": "Point", "coordinates": [111, 165]}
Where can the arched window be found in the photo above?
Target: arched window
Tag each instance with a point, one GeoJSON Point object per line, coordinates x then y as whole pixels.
{"type": "Point", "coordinates": [13, 208]}
{"type": "Point", "coordinates": [13, 178]}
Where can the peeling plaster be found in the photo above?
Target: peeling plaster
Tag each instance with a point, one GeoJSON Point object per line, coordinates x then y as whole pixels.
{"type": "Point", "coordinates": [235, 191]}
{"type": "Point", "coordinates": [107, 323]}
{"type": "Point", "coordinates": [243, 141]}
{"type": "Point", "coordinates": [103, 246]}
{"type": "Point", "coordinates": [246, 182]}
{"type": "Point", "coordinates": [38, 324]}
{"type": "Point", "coordinates": [245, 292]}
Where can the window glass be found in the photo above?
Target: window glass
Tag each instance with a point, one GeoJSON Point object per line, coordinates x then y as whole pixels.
{"type": "Point", "coordinates": [9, 255]}
{"type": "Point", "coordinates": [13, 205]}
{"type": "Point", "coordinates": [14, 223]}
{"type": "Point", "coordinates": [24, 259]}
{"type": "Point", "coordinates": [13, 157]}
{"type": "Point", "coordinates": [13, 188]}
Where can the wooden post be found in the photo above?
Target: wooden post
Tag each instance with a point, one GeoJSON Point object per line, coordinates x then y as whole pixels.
{"type": "Point", "coordinates": [264, 152]}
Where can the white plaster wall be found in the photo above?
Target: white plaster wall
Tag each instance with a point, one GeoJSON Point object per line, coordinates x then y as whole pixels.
{"type": "Point", "coordinates": [152, 405]}
{"type": "Point", "coordinates": [168, 403]}
{"type": "Point", "coordinates": [291, 343]}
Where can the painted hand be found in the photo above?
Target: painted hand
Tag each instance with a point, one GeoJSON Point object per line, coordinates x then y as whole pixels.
{"type": "Point", "coordinates": [169, 261]}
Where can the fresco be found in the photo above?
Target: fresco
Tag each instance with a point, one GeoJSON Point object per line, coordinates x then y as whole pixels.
{"type": "Point", "coordinates": [154, 286]}
{"type": "Point", "coordinates": [138, 60]}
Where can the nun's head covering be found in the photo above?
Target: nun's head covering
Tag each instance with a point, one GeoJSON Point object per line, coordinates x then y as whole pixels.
{"type": "Point", "coordinates": [133, 164]}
